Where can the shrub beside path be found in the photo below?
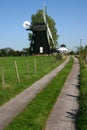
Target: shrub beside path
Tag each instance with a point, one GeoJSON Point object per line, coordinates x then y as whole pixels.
{"type": "Point", "coordinates": [64, 112]}
{"type": "Point", "coordinates": [13, 107]}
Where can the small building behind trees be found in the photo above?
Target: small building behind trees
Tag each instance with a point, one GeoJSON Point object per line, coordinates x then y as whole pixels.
{"type": "Point", "coordinates": [63, 49]}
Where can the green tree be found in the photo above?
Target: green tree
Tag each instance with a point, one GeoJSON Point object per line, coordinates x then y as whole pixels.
{"type": "Point", "coordinates": [85, 49]}
{"type": "Point", "coordinates": [38, 17]}
{"type": "Point", "coordinates": [63, 45]}
{"type": "Point", "coordinates": [82, 51]}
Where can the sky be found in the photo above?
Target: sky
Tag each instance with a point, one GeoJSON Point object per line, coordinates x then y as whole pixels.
{"type": "Point", "coordinates": [70, 17]}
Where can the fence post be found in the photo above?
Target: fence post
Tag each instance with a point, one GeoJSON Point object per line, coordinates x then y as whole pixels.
{"type": "Point", "coordinates": [17, 74]}
{"type": "Point", "coordinates": [35, 66]}
{"type": "Point", "coordinates": [3, 77]}
{"type": "Point", "coordinates": [51, 60]}
{"type": "Point", "coordinates": [27, 67]}
{"type": "Point", "coordinates": [86, 59]}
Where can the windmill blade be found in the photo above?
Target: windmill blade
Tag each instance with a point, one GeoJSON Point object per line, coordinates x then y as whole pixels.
{"type": "Point", "coordinates": [44, 16]}
{"type": "Point", "coordinates": [49, 34]}
{"type": "Point", "coordinates": [45, 21]}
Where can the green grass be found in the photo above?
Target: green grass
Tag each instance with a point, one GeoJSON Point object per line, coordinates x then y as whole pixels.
{"type": "Point", "coordinates": [34, 117]}
{"type": "Point", "coordinates": [82, 114]}
{"type": "Point", "coordinates": [26, 68]}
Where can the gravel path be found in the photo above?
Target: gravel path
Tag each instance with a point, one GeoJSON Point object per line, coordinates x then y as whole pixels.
{"type": "Point", "coordinates": [12, 108]}
{"type": "Point", "coordinates": [65, 109]}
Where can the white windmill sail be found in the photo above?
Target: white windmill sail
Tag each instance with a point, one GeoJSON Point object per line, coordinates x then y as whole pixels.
{"type": "Point", "coordinates": [49, 34]}
{"type": "Point", "coordinates": [44, 16]}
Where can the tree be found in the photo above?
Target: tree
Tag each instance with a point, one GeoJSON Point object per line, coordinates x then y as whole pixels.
{"type": "Point", "coordinates": [9, 52]}
{"type": "Point", "coordinates": [26, 51]}
{"type": "Point", "coordinates": [38, 17]}
{"type": "Point", "coordinates": [85, 49]}
{"type": "Point", "coordinates": [82, 51]}
{"type": "Point", "coordinates": [6, 51]}
{"type": "Point", "coordinates": [63, 45]}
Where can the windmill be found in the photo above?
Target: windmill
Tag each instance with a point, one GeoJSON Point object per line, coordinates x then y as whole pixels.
{"type": "Point", "coordinates": [42, 40]}
{"type": "Point", "coordinates": [49, 34]}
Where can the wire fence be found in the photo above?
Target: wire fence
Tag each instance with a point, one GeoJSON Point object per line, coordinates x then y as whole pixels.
{"type": "Point", "coordinates": [18, 68]}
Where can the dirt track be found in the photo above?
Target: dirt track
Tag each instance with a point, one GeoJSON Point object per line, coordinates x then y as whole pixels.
{"type": "Point", "coordinates": [12, 108]}
{"type": "Point", "coordinates": [63, 115]}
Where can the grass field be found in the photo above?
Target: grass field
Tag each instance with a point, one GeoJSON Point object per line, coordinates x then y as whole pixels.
{"type": "Point", "coordinates": [35, 115]}
{"type": "Point", "coordinates": [82, 114]}
{"type": "Point", "coordinates": [30, 69]}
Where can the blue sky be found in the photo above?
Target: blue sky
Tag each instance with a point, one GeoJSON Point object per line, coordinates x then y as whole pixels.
{"type": "Point", "coordinates": [70, 17]}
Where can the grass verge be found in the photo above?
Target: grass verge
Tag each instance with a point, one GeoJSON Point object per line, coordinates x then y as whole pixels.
{"type": "Point", "coordinates": [35, 115]}
{"type": "Point", "coordinates": [82, 114]}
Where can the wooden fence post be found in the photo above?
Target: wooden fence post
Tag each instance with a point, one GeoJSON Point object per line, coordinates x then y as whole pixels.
{"type": "Point", "coordinates": [17, 74]}
{"type": "Point", "coordinates": [27, 66]}
{"type": "Point", "coordinates": [86, 59]}
{"type": "Point", "coordinates": [35, 66]}
{"type": "Point", "coordinates": [3, 77]}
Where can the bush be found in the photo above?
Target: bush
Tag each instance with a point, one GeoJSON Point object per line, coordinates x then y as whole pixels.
{"type": "Point", "coordinates": [59, 56]}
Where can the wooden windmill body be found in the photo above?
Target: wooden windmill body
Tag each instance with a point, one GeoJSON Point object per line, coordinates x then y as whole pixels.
{"type": "Point", "coordinates": [40, 42]}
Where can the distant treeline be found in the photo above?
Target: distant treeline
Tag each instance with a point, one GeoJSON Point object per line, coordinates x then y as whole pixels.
{"type": "Point", "coordinates": [11, 52]}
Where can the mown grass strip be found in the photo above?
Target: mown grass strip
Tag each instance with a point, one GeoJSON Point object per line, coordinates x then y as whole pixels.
{"type": "Point", "coordinates": [35, 115]}
{"type": "Point", "coordinates": [13, 88]}
{"type": "Point", "coordinates": [82, 114]}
